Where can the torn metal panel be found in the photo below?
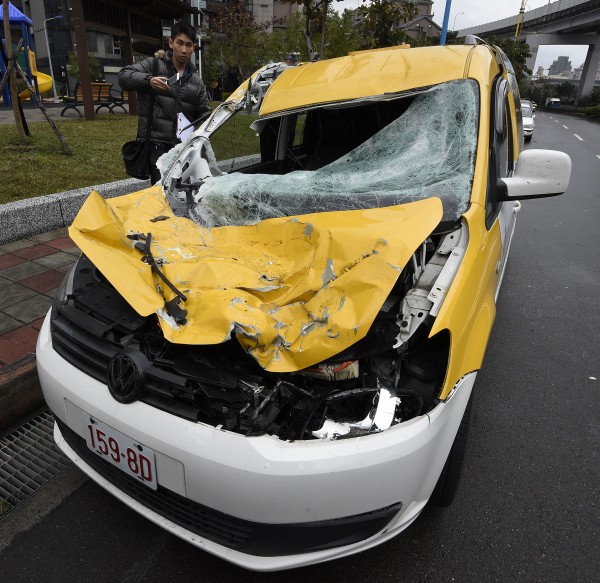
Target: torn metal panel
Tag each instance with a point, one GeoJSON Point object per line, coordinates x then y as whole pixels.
{"type": "Point", "coordinates": [433, 281]}
{"type": "Point", "coordinates": [294, 291]}
{"type": "Point", "coordinates": [428, 151]}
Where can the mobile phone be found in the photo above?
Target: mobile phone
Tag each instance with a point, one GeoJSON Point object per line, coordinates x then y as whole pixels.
{"type": "Point", "coordinates": [173, 79]}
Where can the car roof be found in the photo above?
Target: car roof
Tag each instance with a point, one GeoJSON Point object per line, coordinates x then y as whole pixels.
{"type": "Point", "coordinates": [375, 72]}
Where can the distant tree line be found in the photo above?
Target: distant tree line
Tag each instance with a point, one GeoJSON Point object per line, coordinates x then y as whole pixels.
{"type": "Point", "coordinates": [238, 44]}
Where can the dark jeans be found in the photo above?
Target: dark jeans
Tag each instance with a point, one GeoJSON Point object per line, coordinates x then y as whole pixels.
{"type": "Point", "coordinates": [157, 149]}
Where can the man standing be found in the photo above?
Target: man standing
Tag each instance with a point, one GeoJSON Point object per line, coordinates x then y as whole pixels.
{"type": "Point", "coordinates": [177, 88]}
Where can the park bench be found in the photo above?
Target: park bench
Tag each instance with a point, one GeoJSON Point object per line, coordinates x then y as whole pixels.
{"type": "Point", "coordinates": [119, 98]}
{"type": "Point", "coordinates": [101, 97]}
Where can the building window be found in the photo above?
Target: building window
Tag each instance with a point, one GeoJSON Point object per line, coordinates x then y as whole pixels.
{"type": "Point", "coordinates": [112, 45]}
{"type": "Point", "coordinates": [116, 45]}
{"type": "Point", "coordinates": [92, 40]}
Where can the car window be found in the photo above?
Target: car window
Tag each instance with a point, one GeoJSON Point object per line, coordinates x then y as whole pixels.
{"type": "Point", "coordinates": [526, 110]}
{"type": "Point", "coordinates": [427, 150]}
{"type": "Point", "coordinates": [236, 138]}
{"type": "Point", "coordinates": [299, 129]}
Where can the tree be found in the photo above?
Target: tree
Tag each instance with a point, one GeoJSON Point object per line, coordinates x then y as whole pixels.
{"type": "Point", "coordinates": [96, 70]}
{"type": "Point", "coordinates": [13, 75]}
{"type": "Point", "coordinates": [342, 38]}
{"type": "Point", "coordinates": [452, 38]}
{"type": "Point", "coordinates": [234, 32]}
{"type": "Point", "coordinates": [566, 91]}
{"type": "Point", "coordinates": [380, 27]}
{"type": "Point", "coordinates": [539, 89]}
{"type": "Point", "coordinates": [518, 53]}
{"type": "Point", "coordinates": [315, 20]}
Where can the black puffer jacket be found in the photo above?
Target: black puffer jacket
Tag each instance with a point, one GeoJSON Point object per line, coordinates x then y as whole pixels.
{"type": "Point", "coordinates": [188, 96]}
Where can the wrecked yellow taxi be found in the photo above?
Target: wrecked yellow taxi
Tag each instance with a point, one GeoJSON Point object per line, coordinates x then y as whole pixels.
{"type": "Point", "coordinates": [273, 357]}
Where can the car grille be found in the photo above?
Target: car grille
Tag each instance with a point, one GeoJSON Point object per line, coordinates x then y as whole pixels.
{"type": "Point", "coordinates": [205, 522]}
{"type": "Point", "coordinates": [81, 345]}
{"type": "Point", "coordinates": [82, 340]}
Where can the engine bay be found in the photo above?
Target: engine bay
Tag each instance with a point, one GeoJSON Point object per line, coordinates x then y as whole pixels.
{"type": "Point", "coordinates": [393, 374]}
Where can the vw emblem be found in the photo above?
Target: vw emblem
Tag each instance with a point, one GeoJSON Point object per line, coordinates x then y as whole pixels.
{"type": "Point", "coordinates": [124, 378]}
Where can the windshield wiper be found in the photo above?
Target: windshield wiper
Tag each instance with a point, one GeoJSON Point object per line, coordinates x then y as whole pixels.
{"type": "Point", "coordinates": [172, 307]}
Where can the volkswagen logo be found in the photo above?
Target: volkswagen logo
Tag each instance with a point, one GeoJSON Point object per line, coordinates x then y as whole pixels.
{"type": "Point", "coordinates": [125, 377]}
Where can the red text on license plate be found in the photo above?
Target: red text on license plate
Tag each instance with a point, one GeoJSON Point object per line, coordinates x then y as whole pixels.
{"type": "Point", "coordinates": [133, 458]}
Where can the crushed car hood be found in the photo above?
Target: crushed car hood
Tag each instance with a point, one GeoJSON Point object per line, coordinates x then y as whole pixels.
{"type": "Point", "coordinates": [294, 290]}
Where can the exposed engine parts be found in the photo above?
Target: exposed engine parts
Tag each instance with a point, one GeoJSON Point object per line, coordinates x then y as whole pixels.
{"type": "Point", "coordinates": [393, 374]}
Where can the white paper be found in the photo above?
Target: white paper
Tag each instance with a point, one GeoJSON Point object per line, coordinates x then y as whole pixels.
{"type": "Point", "coordinates": [183, 122]}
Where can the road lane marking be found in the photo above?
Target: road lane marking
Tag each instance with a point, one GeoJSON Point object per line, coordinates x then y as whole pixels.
{"type": "Point", "coordinates": [556, 121]}
{"type": "Point", "coordinates": [598, 156]}
{"type": "Point", "coordinates": [564, 126]}
{"type": "Point", "coordinates": [578, 137]}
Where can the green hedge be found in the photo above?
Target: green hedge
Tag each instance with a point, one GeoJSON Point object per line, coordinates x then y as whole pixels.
{"type": "Point", "coordinates": [593, 111]}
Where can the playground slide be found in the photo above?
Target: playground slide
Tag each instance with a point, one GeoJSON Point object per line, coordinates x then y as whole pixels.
{"type": "Point", "coordinates": [44, 84]}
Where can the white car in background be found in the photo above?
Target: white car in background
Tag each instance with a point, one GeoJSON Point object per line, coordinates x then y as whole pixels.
{"type": "Point", "coordinates": [527, 111]}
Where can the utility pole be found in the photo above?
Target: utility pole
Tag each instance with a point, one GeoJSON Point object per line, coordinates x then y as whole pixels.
{"type": "Point", "coordinates": [445, 24]}
{"type": "Point", "coordinates": [128, 55]}
{"type": "Point", "coordinates": [14, 96]}
{"type": "Point", "coordinates": [520, 20]}
{"type": "Point", "coordinates": [85, 78]}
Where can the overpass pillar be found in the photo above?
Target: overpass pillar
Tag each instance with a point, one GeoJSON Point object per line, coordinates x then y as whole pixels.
{"type": "Point", "coordinates": [534, 45]}
{"type": "Point", "coordinates": [590, 68]}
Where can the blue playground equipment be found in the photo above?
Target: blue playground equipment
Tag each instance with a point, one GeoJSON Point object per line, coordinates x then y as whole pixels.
{"type": "Point", "coordinates": [26, 59]}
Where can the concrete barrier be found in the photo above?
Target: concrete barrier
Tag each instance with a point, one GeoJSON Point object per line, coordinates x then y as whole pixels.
{"type": "Point", "coordinates": [32, 216]}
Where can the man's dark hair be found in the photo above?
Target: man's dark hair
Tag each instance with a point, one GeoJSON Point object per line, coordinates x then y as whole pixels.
{"type": "Point", "coordinates": [183, 28]}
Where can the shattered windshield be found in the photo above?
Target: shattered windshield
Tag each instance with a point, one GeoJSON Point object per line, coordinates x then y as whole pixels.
{"type": "Point", "coordinates": [427, 151]}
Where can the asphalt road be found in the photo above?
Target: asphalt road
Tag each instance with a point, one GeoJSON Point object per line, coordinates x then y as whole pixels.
{"type": "Point", "coordinates": [528, 506]}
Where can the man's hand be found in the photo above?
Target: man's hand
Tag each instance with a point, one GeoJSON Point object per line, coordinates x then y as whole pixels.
{"type": "Point", "coordinates": [159, 83]}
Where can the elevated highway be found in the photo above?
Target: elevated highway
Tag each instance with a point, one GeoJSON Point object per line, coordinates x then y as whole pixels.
{"type": "Point", "coordinates": [564, 22]}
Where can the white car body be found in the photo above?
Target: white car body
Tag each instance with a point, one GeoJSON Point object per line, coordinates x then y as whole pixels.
{"type": "Point", "coordinates": [283, 482]}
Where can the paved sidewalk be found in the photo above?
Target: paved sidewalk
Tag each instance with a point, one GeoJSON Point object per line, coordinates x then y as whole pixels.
{"type": "Point", "coordinates": [34, 114]}
{"type": "Point", "coordinates": [30, 271]}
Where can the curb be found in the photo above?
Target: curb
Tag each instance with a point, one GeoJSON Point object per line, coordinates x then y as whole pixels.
{"type": "Point", "coordinates": [32, 216]}
{"type": "Point", "coordinates": [20, 393]}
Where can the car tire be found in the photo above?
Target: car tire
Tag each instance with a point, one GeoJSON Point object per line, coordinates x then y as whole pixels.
{"type": "Point", "coordinates": [528, 138]}
{"type": "Point", "coordinates": [447, 484]}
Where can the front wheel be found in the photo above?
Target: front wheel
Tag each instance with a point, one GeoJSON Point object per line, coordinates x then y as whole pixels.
{"type": "Point", "coordinates": [447, 484]}
{"type": "Point", "coordinates": [528, 138]}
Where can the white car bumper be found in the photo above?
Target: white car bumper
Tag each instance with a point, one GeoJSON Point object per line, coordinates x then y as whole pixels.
{"type": "Point", "coordinates": [263, 480]}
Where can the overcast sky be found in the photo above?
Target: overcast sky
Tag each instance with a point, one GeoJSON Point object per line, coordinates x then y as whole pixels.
{"type": "Point", "coordinates": [467, 13]}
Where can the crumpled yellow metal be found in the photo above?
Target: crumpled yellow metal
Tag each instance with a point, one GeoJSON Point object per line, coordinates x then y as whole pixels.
{"type": "Point", "coordinates": [294, 290]}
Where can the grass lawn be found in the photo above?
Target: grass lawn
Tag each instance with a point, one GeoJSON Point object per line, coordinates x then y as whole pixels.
{"type": "Point", "coordinates": [40, 167]}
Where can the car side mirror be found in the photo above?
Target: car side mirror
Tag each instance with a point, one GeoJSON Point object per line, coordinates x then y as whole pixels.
{"type": "Point", "coordinates": [539, 173]}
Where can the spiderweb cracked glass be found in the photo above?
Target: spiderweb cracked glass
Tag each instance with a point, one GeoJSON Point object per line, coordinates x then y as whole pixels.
{"type": "Point", "coordinates": [428, 151]}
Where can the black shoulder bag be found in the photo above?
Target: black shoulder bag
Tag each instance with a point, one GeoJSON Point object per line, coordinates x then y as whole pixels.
{"type": "Point", "coordinates": [136, 153]}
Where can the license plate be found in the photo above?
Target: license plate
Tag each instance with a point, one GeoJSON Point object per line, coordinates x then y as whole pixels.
{"type": "Point", "coordinates": [133, 458]}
